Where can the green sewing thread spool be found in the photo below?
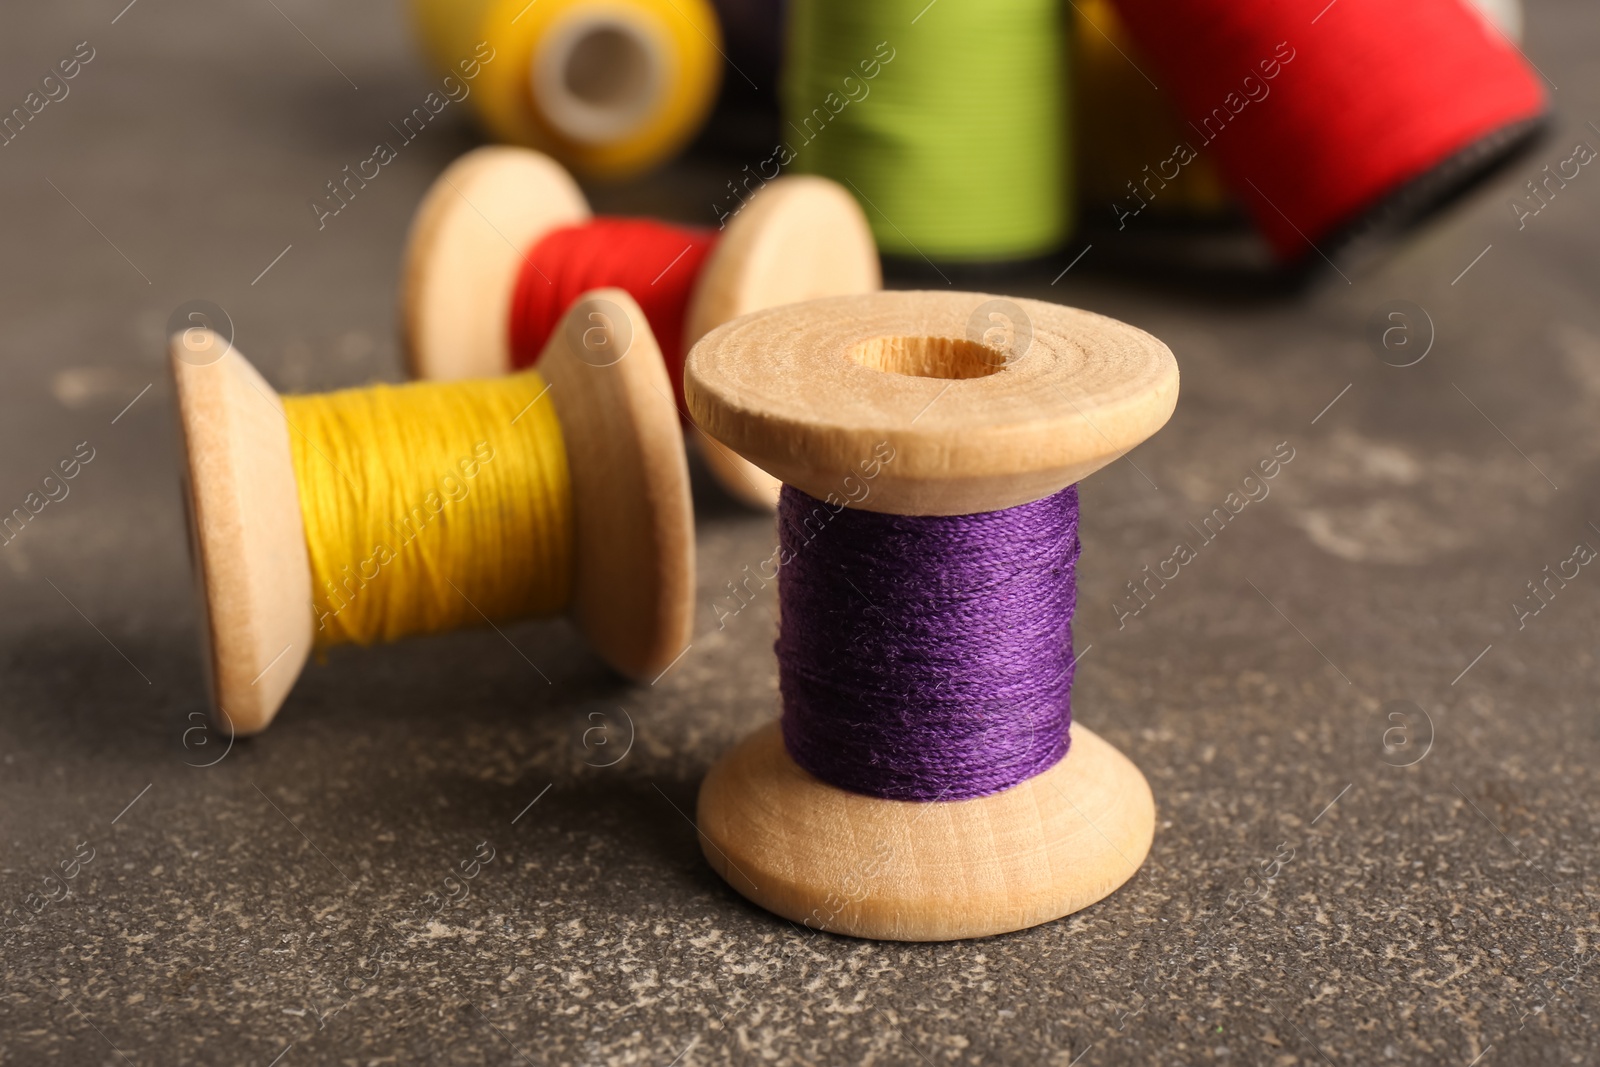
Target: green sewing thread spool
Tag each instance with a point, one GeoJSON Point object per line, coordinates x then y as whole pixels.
{"type": "Point", "coordinates": [948, 121]}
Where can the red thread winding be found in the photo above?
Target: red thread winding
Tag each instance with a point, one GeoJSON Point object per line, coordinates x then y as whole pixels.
{"type": "Point", "coordinates": [657, 264]}
{"type": "Point", "coordinates": [1377, 94]}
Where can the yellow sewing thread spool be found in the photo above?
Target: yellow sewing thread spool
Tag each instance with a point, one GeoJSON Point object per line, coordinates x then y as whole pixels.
{"type": "Point", "coordinates": [611, 87]}
{"type": "Point", "coordinates": [795, 238]}
{"type": "Point", "coordinates": [319, 520]}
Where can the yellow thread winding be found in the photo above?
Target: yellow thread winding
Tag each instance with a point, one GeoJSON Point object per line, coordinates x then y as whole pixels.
{"type": "Point", "coordinates": [667, 107]}
{"type": "Point", "coordinates": [432, 506]}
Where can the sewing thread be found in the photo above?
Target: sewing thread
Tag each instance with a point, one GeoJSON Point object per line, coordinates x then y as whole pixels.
{"type": "Point", "coordinates": [656, 263]}
{"type": "Point", "coordinates": [1328, 118]}
{"type": "Point", "coordinates": [948, 122]}
{"type": "Point", "coordinates": [926, 657]}
{"type": "Point", "coordinates": [609, 87]}
{"type": "Point", "coordinates": [432, 506]}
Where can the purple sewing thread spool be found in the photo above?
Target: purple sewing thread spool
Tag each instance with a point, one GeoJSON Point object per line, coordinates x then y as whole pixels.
{"type": "Point", "coordinates": [950, 669]}
{"type": "Point", "coordinates": [923, 784]}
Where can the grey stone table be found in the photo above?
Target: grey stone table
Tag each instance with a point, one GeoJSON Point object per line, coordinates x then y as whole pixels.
{"type": "Point", "coordinates": [270, 902]}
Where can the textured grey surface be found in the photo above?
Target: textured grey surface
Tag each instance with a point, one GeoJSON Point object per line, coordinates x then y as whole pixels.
{"type": "Point", "coordinates": [267, 905]}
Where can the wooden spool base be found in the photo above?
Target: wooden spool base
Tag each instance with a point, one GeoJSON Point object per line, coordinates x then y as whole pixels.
{"type": "Point", "coordinates": [902, 871]}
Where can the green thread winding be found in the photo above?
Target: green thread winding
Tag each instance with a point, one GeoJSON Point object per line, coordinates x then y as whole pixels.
{"type": "Point", "coordinates": [957, 146]}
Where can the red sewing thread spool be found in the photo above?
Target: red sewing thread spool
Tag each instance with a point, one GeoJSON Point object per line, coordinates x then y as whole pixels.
{"type": "Point", "coordinates": [1331, 118]}
{"type": "Point", "coordinates": [504, 242]}
{"type": "Point", "coordinates": [659, 261]}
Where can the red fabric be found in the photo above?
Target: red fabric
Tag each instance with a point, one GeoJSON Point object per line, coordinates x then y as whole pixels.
{"type": "Point", "coordinates": [1377, 92]}
{"type": "Point", "coordinates": [657, 264]}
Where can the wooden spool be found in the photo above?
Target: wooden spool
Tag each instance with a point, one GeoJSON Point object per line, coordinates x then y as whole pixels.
{"type": "Point", "coordinates": [634, 535]}
{"type": "Point", "coordinates": [986, 403]}
{"type": "Point", "coordinates": [797, 238]}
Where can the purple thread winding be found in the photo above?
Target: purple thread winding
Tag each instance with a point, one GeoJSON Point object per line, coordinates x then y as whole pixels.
{"type": "Point", "coordinates": [926, 657]}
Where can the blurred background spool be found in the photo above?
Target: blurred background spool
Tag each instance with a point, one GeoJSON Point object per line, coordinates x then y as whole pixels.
{"type": "Point", "coordinates": [504, 240]}
{"type": "Point", "coordinates": [610, 87]}
{"type": "Point", "coordinates": [1122, 124]}
{"type": "Point", "coordinates": [1331, 122]}
{"type": "Point", "coordinates": [948, 121]}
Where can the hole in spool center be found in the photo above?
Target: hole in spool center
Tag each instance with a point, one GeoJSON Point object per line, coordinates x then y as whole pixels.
{"type": "Point", "coordinates": [929, 357]}
{"type": "Point", "coordinates": [608, 67]}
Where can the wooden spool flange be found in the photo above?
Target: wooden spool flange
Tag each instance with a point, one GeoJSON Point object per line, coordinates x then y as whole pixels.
{"type": "Point", "coordinates": [634, 535]}
{"type": "Point", "coordinates": [797, 238]}
{"type": "Point", "coordinates": [985, 403]}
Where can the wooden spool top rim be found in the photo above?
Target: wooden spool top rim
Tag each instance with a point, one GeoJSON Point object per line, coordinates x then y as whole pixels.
{"type": "Point", "coordinates": [476, 223]}
{"type": "Point", "coordinates": [973, 425]}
